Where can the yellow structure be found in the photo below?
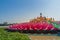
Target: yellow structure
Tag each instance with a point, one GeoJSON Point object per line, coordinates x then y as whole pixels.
{"type": "Point", "coordinates": [41, 18]}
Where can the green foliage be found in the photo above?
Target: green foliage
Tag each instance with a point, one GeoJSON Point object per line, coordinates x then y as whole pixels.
{"type": "Point", "coordinates": [4, 35]}
{"type": "Point", "coordinates": [56, 25]}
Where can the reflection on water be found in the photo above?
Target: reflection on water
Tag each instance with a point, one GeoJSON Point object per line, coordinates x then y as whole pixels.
{"type": "Point", "coordinates": [48, 34]}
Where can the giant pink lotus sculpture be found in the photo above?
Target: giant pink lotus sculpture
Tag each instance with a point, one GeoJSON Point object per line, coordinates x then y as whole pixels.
{"type": "Point", "coordinates": [31, 26]}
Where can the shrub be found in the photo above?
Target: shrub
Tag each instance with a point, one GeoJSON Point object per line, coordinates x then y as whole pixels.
{"type": "Point", "coordinates": [4, 35]}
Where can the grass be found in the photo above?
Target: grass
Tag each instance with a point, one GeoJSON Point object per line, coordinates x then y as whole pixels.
{"type": "Point", "coordinates": [4, 35]}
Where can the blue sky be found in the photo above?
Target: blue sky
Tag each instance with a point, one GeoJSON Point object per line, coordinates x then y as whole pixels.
{"type": "Point", "coordinates": [14, 11]}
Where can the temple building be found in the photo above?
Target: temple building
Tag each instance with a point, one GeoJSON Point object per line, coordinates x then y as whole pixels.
{"type": "Point", "coordinates": [42, 18]}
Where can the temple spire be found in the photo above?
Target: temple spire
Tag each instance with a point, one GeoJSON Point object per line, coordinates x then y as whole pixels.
{"type": "Point", "coordinates": [40, 14]}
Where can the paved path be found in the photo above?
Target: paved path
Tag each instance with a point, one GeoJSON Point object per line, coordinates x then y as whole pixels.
{"type": "Point", "coordinates": [44, 37]}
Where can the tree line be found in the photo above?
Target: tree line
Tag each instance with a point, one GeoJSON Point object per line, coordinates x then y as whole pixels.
{"type": "Point", "coordinates": [5, 24]}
